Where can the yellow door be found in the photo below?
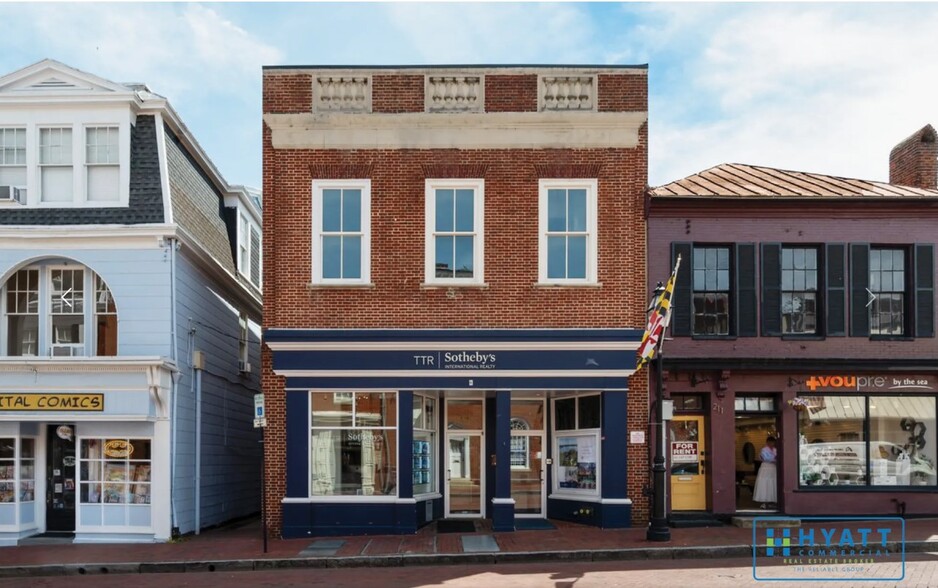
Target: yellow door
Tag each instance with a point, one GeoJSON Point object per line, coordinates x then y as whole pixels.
{"type": "Point", "coordinates": [687, 440]}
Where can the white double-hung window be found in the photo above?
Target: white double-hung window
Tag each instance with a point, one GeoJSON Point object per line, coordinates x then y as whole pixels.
{"type": "Point", "coordinates": [341, 232]}
{"type": "Point", "coordinates": [454, 231]}
{"type": "Point", "coordinates": [55, 165]}
{"type": "Point", "coordinates": [568, 232]}
{"type": "Point", "coordinates": [102, 164]}
{"type": "Point", "coordinates": [13, 165]}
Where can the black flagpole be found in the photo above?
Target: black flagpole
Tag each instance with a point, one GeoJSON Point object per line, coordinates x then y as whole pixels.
{"type": "Point", "coordinates": [659, 530]}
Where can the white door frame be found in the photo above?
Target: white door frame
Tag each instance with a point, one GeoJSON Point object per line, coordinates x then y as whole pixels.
{"type": "Point", "coordinates": [542, 433]}
{"type": "Point", "coordinates": [446, 448]}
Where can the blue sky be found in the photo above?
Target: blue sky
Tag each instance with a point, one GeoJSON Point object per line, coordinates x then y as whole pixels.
{"type": "Point", "coordinates": [829, 88]}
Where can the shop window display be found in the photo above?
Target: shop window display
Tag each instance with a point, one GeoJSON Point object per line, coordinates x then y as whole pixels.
{"type": "Point", "coordinates": [834, 449]}
{"type": "Point", "coordinates": [115, 471]}
{"type": "Point", "coordinates": [424, 445]}
{"type": "Point", "coordinates": [353, 449]}
{"type": "Point", "coordinates": [577, 422]}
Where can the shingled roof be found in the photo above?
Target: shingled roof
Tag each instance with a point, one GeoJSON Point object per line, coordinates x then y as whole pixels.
{"type": "Point", "coordinates": [736, 180]}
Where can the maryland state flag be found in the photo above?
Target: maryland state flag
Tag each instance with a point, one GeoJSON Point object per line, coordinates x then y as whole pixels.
{"type": "Point", "coordinates": [658, 321]}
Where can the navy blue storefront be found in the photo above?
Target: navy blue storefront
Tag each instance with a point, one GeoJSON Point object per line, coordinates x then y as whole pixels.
{"type": "Point", "coordinates": [388, 430]}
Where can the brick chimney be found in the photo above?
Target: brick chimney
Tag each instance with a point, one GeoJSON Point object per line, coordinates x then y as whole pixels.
{"type": "Point", "coordinates": [914, 161]}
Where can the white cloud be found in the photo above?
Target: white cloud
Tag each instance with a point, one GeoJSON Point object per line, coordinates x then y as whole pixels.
{"type": "Point", "coordinates": [207, 65]}
{"type": "Point", "coordinates": [174, 49]}
{"type": "Point", "coordinates": [495, 33]}
{"type": "Point", "coordinates": [815, 88]}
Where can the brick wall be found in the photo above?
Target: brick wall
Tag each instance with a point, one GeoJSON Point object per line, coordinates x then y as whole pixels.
{"type": "Point", "coordinates": [914, 161]}
{"type": "Point", "coordinates": [511, 93]}
{"type": "Point", "coordinates": [622, 92]}
{"type": "Point", "coordinates": [397, 93]}
{"type": "Point", "coordinates": [288, 92]}
{"type": "Point", "coordinates": [397, 299]}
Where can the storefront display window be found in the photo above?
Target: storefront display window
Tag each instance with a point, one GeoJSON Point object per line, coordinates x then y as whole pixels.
{"type": "Point", "coordinates": [7, 469]}
{"type": "Point", "coordinates": [114, 471]}
{"type": "Point", "coordinates": [424, 446]}
{"type": "Point", "coordinates": [577, 422]}
{"type": "Point", "coordinates": [834, 449]}
{"type": "Point", "coordinates": [13, 487]}
{"type": "Point", "coordinates": [353, 449]}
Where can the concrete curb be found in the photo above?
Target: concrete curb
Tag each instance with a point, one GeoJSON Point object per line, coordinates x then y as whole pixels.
{"type": "Point", "coordinates": [429, 559]}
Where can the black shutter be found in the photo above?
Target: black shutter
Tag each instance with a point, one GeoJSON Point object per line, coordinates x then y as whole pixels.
{"type": "Point", "coordinates": [924, 291]}
{"type": "Point", "coordinates": [746, 312]}
{"type": "Point", "coordinates": [835, 283]}
{"type": "Point", "coordinates": [681, 299]}
{"type": "Point", "coordinates": [859, 282]}
{"type": "Point", "coordinates": [771, 289]}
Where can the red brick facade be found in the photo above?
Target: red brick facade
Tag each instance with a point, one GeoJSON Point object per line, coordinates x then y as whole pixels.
{"type": "Point", "coordinates": [396, 298]}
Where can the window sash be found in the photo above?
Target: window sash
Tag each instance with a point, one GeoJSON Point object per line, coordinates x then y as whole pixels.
{"type": "Point", "coordinates": [13, 147]}
{"type": "Point", "coordinates": [55, 146]}
{"type": "Point", "coordinates": [341, 242]}
{"type": "Point", "coordinates": [567, 229]}
{"type": "Point", "coordinates": [888, 273]}
{"type": "Point", "coordinates": [102, 146]}
{"type": "Point", "coordinates": [454, 231]}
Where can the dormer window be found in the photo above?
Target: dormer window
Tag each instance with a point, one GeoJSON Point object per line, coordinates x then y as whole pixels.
{"type": "Point", "coordinates": [249, 249]}
{"type": "Point", "coordinates": [13, 164]}
{"type": "Point", "coordinates": [55, 165]}
{"type": "Point", "coordinates": [65, 165]}
{"type": "Point", "coordinates": [102, 164]}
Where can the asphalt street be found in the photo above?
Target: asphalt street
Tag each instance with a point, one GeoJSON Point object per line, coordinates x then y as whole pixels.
{"type": "Point", "coordinates": [921, 572]}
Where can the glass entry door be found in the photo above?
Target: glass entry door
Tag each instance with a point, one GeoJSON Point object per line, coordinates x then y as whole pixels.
{"type": "Point", "coordinates": [527, 458]}
{"type": "Point", "coordinates": [464, 472]}
{"type": "Point", "coordinates": [60, 479]}
{"type": "Point", "coordinates": [464, 479]}
{"type": "Point", "coordinates": [688, 466]}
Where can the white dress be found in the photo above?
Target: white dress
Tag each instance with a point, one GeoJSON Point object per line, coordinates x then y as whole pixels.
{"type": "Point", "coordinates": [766, 488]}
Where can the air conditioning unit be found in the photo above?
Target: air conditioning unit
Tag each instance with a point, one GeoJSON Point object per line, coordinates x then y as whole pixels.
{"type": "Point", "coordinates": [244, 367]}
{"type": "Point", "coordinates": [67, 350]}
{"type": "Point", "coordinates": [13, 194]}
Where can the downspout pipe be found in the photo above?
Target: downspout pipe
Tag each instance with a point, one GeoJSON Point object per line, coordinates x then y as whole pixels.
{"type": "Point", "coordinates": [174, 354]}
{"type": "Point", "coordinates": [198, 449]}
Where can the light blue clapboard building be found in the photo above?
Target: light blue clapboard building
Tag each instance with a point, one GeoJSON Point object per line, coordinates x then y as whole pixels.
{"type": "Point", "coordinates": [130, 276]}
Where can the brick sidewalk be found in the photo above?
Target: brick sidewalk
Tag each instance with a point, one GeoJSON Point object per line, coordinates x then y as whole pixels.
{"type": "Point", "coordinates": [243, 542]}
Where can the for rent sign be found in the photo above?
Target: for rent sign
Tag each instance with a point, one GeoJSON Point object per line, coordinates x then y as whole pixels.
{"type": "Point", "coordinates": [684, 452]}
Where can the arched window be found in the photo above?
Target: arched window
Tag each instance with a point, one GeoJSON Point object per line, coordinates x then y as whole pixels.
{"type": "Point", "coordinates": [60, 309]}
{"type": "Point", "coordinates": [519, 444]}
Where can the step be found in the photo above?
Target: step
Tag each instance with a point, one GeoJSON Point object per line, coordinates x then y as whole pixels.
{"type": "Point", "coordinates": [747, 522]}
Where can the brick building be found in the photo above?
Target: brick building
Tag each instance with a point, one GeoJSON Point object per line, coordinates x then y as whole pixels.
{"type": "Point", "coordinates": [804, 310]}
{"type": "Point", "coordinates": [455, 285]}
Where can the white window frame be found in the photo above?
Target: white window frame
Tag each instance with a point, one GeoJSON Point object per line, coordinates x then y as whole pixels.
{"type": "Point", "coordinates": [71, 164]}
{"type": "Point", "coordinates": [478, 230]}
{"type": "Point", "coordinates": [317, 187]}
{"type": "Point", "coordinates": [309, 449]}
{"type": "Point", "coordinates": [592, 238]}
{"type": "Point", "coordinates": [114, 506]}
{"type": "Point", "coordinates": [45, 326]}
{"type": "Point", "coordinates": [244, 245]}
{"type": "Point", "coordinates": [86, 167]}
{"type": "Point", "coordinates": [244, 338]}
{"type": "Point", "coordinates": [77, 118]}
{"type": "Point", "coordinates": [593, 433]}
{"type": "Point", "coordinates": [24, 166]}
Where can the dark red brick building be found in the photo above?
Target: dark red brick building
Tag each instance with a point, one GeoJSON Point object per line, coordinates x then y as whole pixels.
{"type": "Point", "coordinates": [455, 287]}
{"type": "Point", "coordinates": [804, 310]}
